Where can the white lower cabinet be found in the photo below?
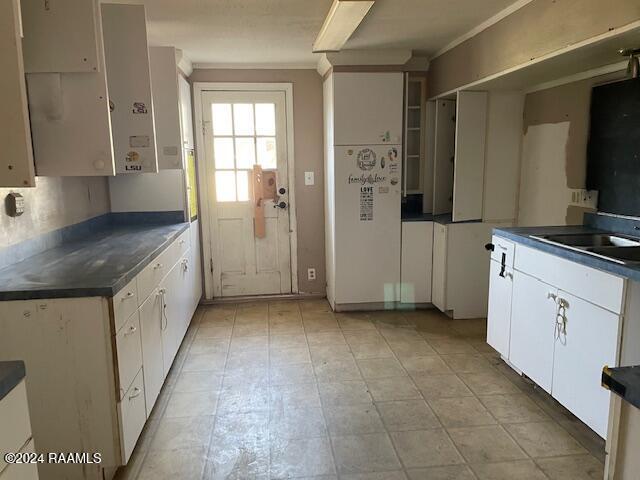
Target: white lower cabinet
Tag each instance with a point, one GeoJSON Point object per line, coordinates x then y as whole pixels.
{"type": "Point", "coordinates": [586, 341]}
{"type": "Point", "coordinates": [133, 416]}
{"type": "Point", "coordinates": [415, 268]}
{"type": "Point", "coordinates": [151, 323]}
{"type": "Point", "coordinates": [533, 313]}
{"type": "Point", "coordinates": [560, 340]}
{"type": "Point", "coordinates": [499, 314]}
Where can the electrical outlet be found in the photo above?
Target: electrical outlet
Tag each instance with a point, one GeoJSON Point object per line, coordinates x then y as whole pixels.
{"type": "Point", "coordinates": [311, 273]}
{"type": "Point", "coordinates": [584, 198]}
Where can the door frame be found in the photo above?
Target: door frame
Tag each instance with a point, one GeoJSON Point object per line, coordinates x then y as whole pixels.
{"type": "Point", "coordinates": [205, 187]}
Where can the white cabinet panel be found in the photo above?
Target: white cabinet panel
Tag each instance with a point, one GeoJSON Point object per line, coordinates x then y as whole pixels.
{"type": "Point", "coordinates": [61, 36]}
{"type": "Point", "coordinates": [439, 286]}
{"type": "Point", "coordinates": [166, 107]}
{"type": "Point", "coordinates": [532, 328]}
{"type": "Point", "coordinates": [186, 113]}
{"type": "Point", "coordinates": [471, 132]}
{"type": "Point", "coordinates": [503, 247]}
{"type": "Point", "coordinates": [415, 270]}
{"type": "Point", "coordinates": [133, 416]}
{"type": "Point", "coordinates": [151, 324]}
{"type": "Point", "coordinates": [16, 162]}
{"type": "Point", "coordinates": [444, 153]}
{"type": "Point", "coordinates": [128, 77]}
{"type": "Point", "coordinates": [368, 108]}
{"type": "Point", "coordinates": [499, 316]}
{"type": "Point", "coordinates": [171, 338]}
{"type": "Point", "coordinates": [590, 343]}
{"type": "Point", "coordinates": [28, 471]}
{"type": "Point", "coordinates": [595, 286]}
{"type": "Point", "coordinates": [14, 418]}
{"type": "Point", "coordinates": [129, 352]}
{"type": "Point", "coordinates": [195, 266]}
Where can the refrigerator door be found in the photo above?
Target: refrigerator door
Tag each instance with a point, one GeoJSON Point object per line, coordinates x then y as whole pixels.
{"type": "Point", "coordinates": [368, 187]}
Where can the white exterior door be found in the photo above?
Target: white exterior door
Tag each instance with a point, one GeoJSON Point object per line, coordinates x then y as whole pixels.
{"type": "Point", "coordinates": [243, 129]}
{"type": "Point", "coordinates": [532, 328]}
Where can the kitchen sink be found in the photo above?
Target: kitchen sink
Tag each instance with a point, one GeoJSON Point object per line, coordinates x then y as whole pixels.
{"type": "Point", "coordinates": [590, 240]}
{"type": "Point", "coordinates": [617, 254]}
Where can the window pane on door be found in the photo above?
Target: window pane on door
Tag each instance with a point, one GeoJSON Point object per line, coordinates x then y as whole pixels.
{"type": "Point", "coordinates": [265, 119]}
{"type": "Point", "coordinates": [245, 153]}
{"type": "Point", "coordinates": [223, 152]}
{"type": "Point", "coordinates": [221, 117]}
{"type": "Point", "coordinates": [243, 118]}
{"type": "Point", "coordinates": [267, 152]}
{"type": "Point", "coordinates": [243, 185]}
{"type": "Point", "coordinates": [226, 186]}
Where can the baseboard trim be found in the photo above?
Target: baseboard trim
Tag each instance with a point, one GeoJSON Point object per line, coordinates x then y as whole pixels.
{"type": "Point", "coordinates": [265, 298]}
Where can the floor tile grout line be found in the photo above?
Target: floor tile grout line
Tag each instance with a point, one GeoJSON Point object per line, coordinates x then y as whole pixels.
{"type": "Point", "coordinates": [215, 414]}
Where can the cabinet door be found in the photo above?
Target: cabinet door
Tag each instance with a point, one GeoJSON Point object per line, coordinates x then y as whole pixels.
{"type": "Point", "coordinates": [195, 266]}
{"type": "Point", "coordinates": [415, 269]}
{"type": "Point", "coordinates": [368, 108]}
{"type": "Point", "coordinates": [499, 316]}
{"type": "Point", "coordinates": [16, 162]}
{"type": "Point", "coordinates": [444, 153]}
{"type": "Point", "coordinates": [590, 343]}
{"type": "Point", "coordinates": [151, 324]}
{"type": "Point", "coordinates": [129, 82]}
{"type": "Point", "coordinates": [438, 290]}
{"type": "Point", "coordinates": [533, 315]}
{"type": "Point", "coordinates": [186, 113]}
{"type": "Point", "coordinates": [172, 284]}
{"type": "Point", "coordinates": [471, 133]}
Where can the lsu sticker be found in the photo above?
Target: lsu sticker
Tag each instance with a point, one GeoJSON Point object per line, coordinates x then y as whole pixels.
{"type": "Point", "coordinates": [139, 108]}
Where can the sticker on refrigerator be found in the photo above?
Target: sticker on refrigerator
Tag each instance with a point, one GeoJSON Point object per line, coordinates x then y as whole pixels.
{"type": "Point", "coordinates": [366, 159]}
{"type": "Point", "coordinates": [366, 204]}
{"type": "Point", "coordinates": [383, 189]}
{"type": "Point", "coordinates": [393, 154]}
{"type": "Point", "coordinates": [393, 168]}
{"type": "Point", "coordinates": [140, 108]}
{"type": "Point", "coordinates": [394, 181]}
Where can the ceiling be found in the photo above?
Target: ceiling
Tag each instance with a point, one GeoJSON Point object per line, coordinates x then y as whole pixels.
{"type": "Point", "coordinates": [281, 32]}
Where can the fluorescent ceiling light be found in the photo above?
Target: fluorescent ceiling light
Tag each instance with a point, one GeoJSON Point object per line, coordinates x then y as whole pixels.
{"type": "Point", "coordinates": [342, 20]}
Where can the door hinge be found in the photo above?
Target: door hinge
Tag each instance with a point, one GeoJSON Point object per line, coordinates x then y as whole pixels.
{"type": "Point", "coordinates": [211, 264]}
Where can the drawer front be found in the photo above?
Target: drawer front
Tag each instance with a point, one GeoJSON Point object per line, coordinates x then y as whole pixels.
{"type": "Point", "coordinates": [503, 247]}
{"type": "Point", "coordinates": [133, 416]}
{"type": "Point", "coordinates": [15, 425]}
{"type": "Point", "coordinates": [125, 302]}
{"type": "Point", "coordinates": [153, 273]}
{"type": "Point", "coordinates": [27, 471]}
{"type": "Point", "coordinates": [183, 243]}
{"type": "Point", "coordinates": [595, 286]}
{"type": "Point", "coordinates": [129, 348]}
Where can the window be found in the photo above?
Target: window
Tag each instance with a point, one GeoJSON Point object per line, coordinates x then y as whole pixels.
{"type": "Point", "coordinates": [243, 136]}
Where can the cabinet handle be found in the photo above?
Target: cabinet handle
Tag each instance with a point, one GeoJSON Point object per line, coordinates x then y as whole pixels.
{"type": "Point", "coordinates": [185, 264]}
{"type": "Point", "coordinates": [128, 295]}
{"type": "Point", "coordinates": [157, 266]}
{"type": "Point", "coordinates": [552, 296]}
{"type": "Point", "coordinates": [132, 329]}
{"type": "Point", "coordinates": [181, 242]}
{"type": "Point", "coordinates": [136, 393]}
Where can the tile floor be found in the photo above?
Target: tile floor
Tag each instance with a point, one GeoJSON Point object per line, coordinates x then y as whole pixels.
{"type": "Point", "coordinates": [289, 389]}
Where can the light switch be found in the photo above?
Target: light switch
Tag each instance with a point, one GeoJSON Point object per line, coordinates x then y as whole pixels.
{"type": "Point", "coordinates": [309, 178]}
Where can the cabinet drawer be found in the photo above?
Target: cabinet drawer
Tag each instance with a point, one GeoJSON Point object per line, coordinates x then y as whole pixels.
{"type": "Point", "coordinates": [133, 416]}
{"type": "Point", "coordinates": [15, 425]}
{"type": "Point", "coordinates": [183, 243]}
{"type": "Point", "coordinates": [153, 273]}
{"type": "Point", "coordinates": [26, 471]}
{"type": "Point", "coordinates": [595, 286]}
{"type": "Point", "coordinates": [125, 302]}
{"type": "Point", "coordinates": [500, 247]}
{"type": "Point", "coordinates": [129, 348]}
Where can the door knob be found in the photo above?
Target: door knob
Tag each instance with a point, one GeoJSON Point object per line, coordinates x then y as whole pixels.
{"type": "Point", "coordinates": [282, 205]}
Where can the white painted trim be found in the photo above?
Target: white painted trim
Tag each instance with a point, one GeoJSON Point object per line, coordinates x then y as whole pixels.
{"type": "Point", "coordinates": [514, 7]}
{"type": "Point", "coordinates": [199, 88]}
{"type": "Point", "coordinates": [595, 72]}
{"type": "Point", "coordinates": [255, 66]}
{"type": "Point", "coordinates": [556, 53]}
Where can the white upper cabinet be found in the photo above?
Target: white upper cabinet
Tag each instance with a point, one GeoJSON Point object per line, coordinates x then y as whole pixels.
{"type": "Point", "coordinates": [185, 113]}
{"type": "Point", "coordinates": [70, 122]}
{"type": "Point", "coordinates": [61, 36]}
{"type": "Point", "coordinates": [166, 107]}
{"type": "Point", "coordinates": [129, 81]}
{"type": "Point", "coordinates": [16, 162]}
{"type": "Point", "coordinates": [471, 133]}
{"type": "Point", "coordinates": [368, 108]}
{"type": "Point", "coordinates": [443, 156]}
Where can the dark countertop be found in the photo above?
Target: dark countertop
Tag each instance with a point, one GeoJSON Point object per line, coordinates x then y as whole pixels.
{"type": "Point", "coordinates": [11, 374]}
{"type": "Point", "coordinates": [416, 217]}
{"type": "Point", "coordinates": [98, 265]}
{"type": "Point", "coordinates": [522, 235]}
{"type": "Point", "coordinates": [624, 382]}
